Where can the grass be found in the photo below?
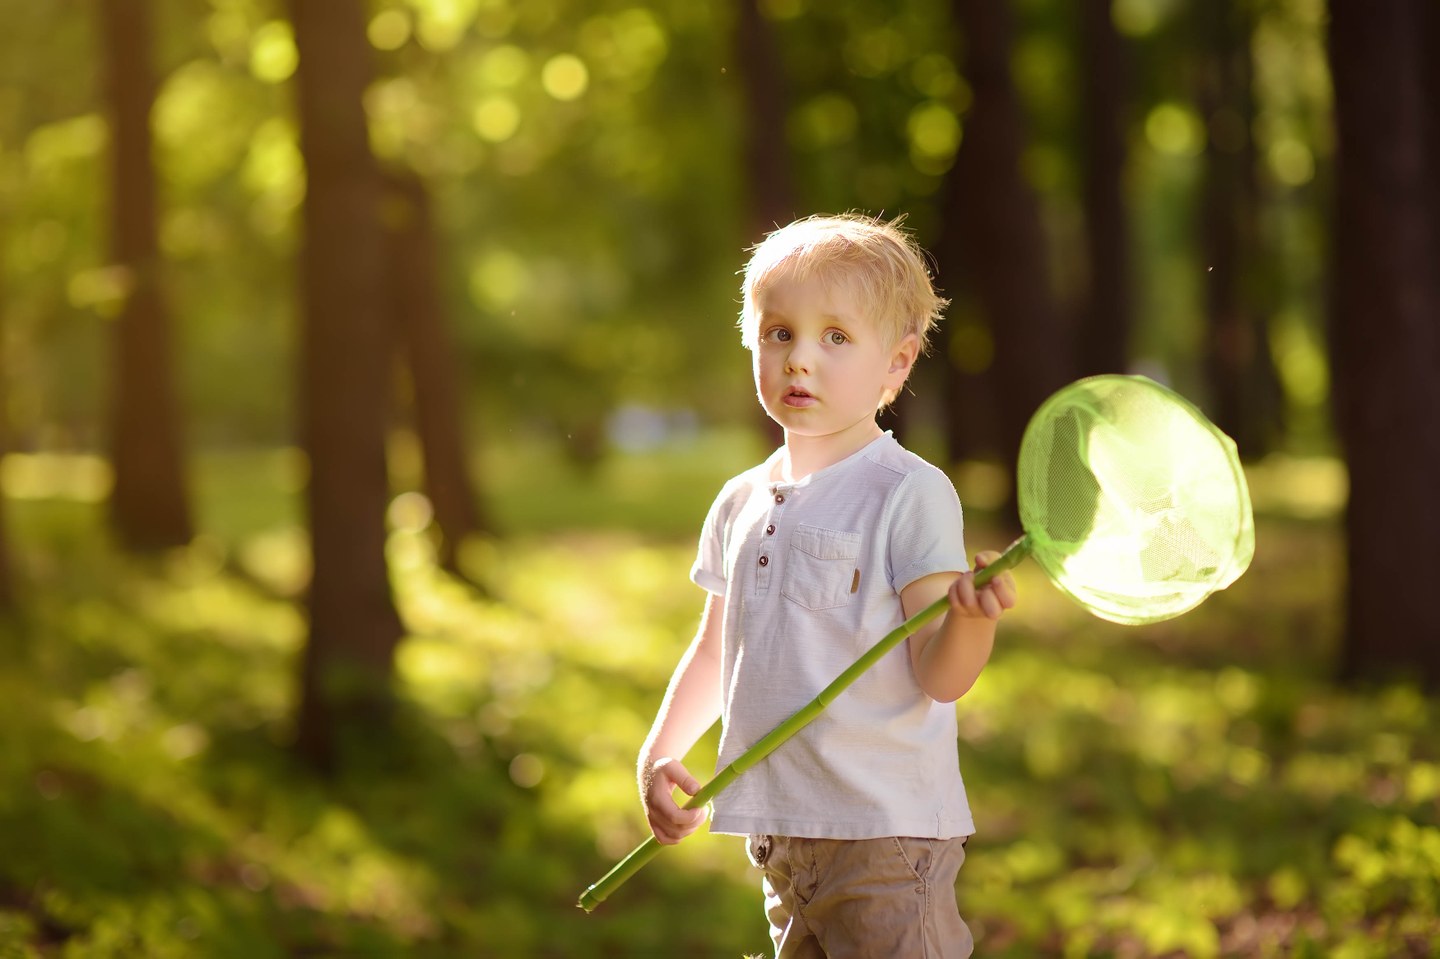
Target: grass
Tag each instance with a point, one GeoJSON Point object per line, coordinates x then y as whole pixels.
{"type": "Point", "coordinates": [1194, 788]}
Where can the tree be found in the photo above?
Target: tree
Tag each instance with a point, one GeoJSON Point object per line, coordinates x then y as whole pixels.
{"type": "Point", "coordinates": [961, 378]}
{"type": "Point", "coordinates": [993, 233]}
{"type": "Point", "coordinates": [1108, 309]}
{"type": "Point", "coordinates": [1385, 345]}
{"type": "Point", "coordinates": [424, 347]}
{"type": "Point", "coordinates": [770, 190]}
{"type": "Point", "coordinates": [148, 507]}
{"type": "Point", "coordinates": [7, 589]}
{"type": "Point", "coordinates": [766, 158]}
{"type": "Point", "coordinates": [1244, 386]}
{"type": "Point", "coordinates": [354, 629]}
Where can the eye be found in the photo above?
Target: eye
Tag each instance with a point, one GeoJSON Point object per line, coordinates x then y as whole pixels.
{"type": "Point", "coordinates": [836, 338]}
{"type": "Point", "coordinates": [776, 334]}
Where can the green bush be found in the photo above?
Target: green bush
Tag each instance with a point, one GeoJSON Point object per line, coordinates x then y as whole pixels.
{"type": "Point", "coordinates": [1194, 788]}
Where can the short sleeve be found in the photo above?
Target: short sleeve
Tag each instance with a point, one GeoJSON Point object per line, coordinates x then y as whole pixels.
{"type": "Point", "coordinates": [709, 570]}
{"type": "Point", "coordinates": [926, 528]}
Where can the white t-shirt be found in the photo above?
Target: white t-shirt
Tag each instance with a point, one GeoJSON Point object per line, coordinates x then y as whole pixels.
{"type": "Point", "coordinates": [811, 574]}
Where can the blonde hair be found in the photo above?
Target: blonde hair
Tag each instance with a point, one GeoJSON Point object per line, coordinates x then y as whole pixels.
{"type": "Point", "coordinates": [880, 263]}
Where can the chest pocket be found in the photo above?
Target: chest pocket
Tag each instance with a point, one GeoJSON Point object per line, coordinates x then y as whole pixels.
{"type": "Point", "coordinates": [820, 571]}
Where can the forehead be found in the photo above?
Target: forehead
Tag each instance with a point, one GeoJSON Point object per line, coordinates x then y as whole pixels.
{"type": "Point", "coordinates": [794, 294]}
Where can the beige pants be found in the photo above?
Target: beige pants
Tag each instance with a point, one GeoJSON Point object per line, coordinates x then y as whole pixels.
{"type": "Point", "coordinates": [863, 898]}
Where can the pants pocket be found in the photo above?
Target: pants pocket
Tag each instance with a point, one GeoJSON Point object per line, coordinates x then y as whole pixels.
{"type": "Point", "coordinates": [758, 849]}
{"type": "Point", "coordinates": [917, 854]}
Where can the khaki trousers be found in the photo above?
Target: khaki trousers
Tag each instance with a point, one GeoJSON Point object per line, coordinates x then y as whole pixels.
{"type": "Point", "coordinates": [888, 898]}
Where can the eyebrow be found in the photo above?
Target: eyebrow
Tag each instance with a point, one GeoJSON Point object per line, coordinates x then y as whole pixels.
{"type": "Point", "coordinates": [829, 318]}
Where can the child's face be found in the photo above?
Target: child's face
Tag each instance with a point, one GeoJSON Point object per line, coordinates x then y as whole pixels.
{"type": "Point", "coordinates": [821, 367]}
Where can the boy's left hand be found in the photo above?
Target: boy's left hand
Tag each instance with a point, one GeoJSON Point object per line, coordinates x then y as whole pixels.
{"type": "Point", "coordinates": [990, 600]}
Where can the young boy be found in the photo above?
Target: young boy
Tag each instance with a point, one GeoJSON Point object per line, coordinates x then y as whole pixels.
{"type": "Point", "coordinates": [859, 821]}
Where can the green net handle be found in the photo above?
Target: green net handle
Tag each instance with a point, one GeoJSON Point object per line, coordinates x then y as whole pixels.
{"type": "Point", "coordinates": [650, 848]}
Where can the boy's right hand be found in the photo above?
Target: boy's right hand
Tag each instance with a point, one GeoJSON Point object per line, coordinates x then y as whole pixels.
{"type": "Point", "coordinates": [668, 821]}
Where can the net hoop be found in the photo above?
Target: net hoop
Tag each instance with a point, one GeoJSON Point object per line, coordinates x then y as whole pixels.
{"type": "Point", "coordinates": [1074, 564]}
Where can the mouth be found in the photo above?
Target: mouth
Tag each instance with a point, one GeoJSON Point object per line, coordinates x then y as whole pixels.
{"type": "Point", "coordinates": [795, 396]}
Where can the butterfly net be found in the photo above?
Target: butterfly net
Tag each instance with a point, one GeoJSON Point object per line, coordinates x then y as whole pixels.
{"type": "Point", "coordinates": [1134, 504]}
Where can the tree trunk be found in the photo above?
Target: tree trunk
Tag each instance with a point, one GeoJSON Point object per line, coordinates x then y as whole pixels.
{"type": "Point", "coordinates": [424, 346]}
{"type": "Point", "coordinates": [148, 507]}
{"type": "Point", "coordinates": [1106, 317]}
{"type": "Point", "coordinates": [968, 403]}
{"type": "Point", "coordinates": [1386, 336]}
{"type": "Point", "coordinates": [7, 587]}
{"type": "Point", "coordinates": [1001, 237]}
{"type": "Point", "coordinates": [354, 629]}
{"type": "Point", "coordinates": [1245, 396]}
{"type": "Point", "coordinates": [766, 155]}
{"type": "Point", "coordinates": [1430, 13]}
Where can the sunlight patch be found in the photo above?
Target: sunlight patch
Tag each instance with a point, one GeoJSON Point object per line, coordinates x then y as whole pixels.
{"type": "Point", "coordinates": [81, 477]}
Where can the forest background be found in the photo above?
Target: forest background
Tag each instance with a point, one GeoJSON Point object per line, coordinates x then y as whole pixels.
{"type": "Point", "coordinates": [367, 370]}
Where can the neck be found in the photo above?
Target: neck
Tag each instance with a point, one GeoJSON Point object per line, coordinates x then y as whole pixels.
{"type": "Point", "coordinates": [811, 454]}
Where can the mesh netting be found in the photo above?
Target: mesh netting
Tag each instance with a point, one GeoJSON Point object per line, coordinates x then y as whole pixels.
{"type": "Point", "coordinates": [1134, 503]}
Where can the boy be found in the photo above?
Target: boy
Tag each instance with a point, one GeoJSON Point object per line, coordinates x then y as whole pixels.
{"type": "Point", "coordinates": [858, 822]}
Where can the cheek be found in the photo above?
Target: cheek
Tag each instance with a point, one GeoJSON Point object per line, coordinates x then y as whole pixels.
{"type": "Point", "coordinates": [762, 376]}
{"type": "Point", "coordinates": [764, 365]}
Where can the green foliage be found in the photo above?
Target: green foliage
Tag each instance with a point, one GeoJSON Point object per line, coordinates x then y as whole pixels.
{"type": "Point", "coordinates": [586, 162]}
{"type": "Point", "coordinates": [1191, 788]}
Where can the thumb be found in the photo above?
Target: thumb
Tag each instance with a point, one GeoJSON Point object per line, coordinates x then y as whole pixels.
{"type": "Point", "coordinates": [681, 777]}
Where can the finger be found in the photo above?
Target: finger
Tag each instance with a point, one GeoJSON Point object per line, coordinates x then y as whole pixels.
{"type": "Point", "coordinates": [1000, 585]}
{"type": "Point", "coordinates": [687, 783]}
{"type": "Point", "coordinates": [663, 800]}
{"type": "Point", "coordinates": [1001, 592]}
{"type": "Point", "coordinates": [663, 809]}
{"type": "Point", "coordinates": [663, 831]}
{"type": "Point", "coordinates": [672, 824]}
{"type": "Point", "coordinates": [668, 833]}
{"type": "Point", "coordinates": [963, 591]}
{"type": "Point", "coordinates": [677, 777]}
{"type": "Point", "coordinates": [686, 818]}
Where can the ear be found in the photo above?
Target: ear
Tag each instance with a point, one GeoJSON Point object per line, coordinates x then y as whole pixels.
{"type": "Point", "coordinates": [902, 358]}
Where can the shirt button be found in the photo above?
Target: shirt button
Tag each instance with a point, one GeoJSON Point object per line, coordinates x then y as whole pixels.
{"type": "Point", "coordinates": [770, 530]}
{"type": "Point", "coordinates": [779, 497]}
{"type": "Point", "coordinates": [764, 561]}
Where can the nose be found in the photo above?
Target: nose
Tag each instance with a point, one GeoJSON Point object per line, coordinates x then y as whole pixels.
{"type": "Point", "coordinates": [797, 359]}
